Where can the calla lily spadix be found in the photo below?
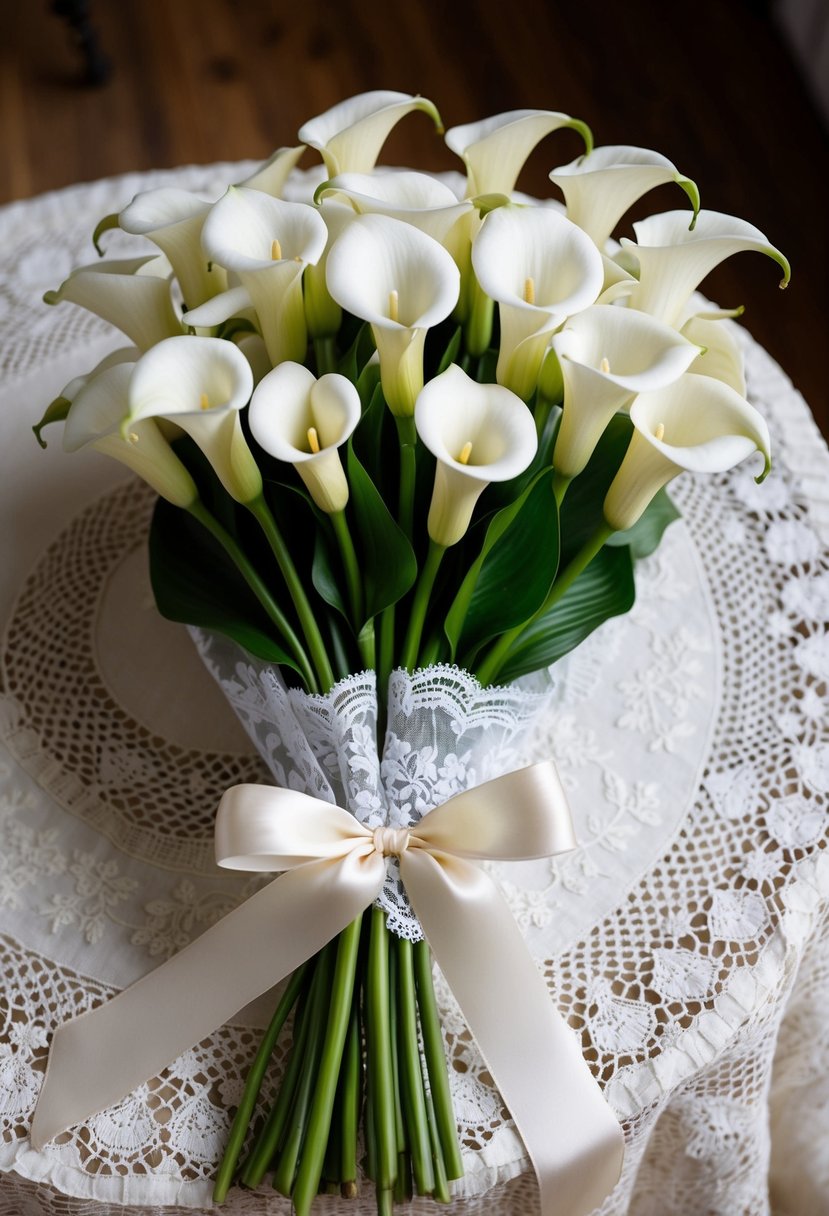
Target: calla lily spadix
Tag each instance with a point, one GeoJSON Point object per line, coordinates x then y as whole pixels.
{"type": "Point", "coordinates": [699, 425]}
{"type": "Point", "coordinates": [303, 421]}
{"type": "Point", "coordinates": [173, 220]}
{"type": "Point", "coordinates": [600, 187]}
{"type": "Point", "coordinates": [201, 384]}
{"type": "Point", "coordinates": [267, 243]}
{"type": "Point", "coordinates": [673, 261]}
{"type": "Point", "coordinates": [133, 294]}
{"type": "Point", "coordinates": [273, 173]}
{"type": "Point", "coordinates": [400, 281]}
{"type": "Point", "coordinates": [95, 421]}
{"type": "Point", "coordinates": [494, 150]}
{"type": "Point", "coordinates": [606, 356]}
{"type": "Point", "coordinates": [350, 135]}
{"type": "Point", "coordinates": [541, 269]}
{"type": "Point", "coordinates": [479, 433]}
{"type": "Point", "coordinates": [720, 355]}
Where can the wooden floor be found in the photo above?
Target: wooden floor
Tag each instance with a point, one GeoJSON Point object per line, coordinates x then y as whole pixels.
{"type": "Point", "coordinates": [709, 84]}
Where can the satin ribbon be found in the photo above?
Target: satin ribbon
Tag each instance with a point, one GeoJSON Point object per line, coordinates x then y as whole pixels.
{"type": "Point", "coordinates": [334, 869]}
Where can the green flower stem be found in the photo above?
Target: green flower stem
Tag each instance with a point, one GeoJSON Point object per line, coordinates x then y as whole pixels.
{"type": "Point", "coordinates": [543, 408]}
{"type": "Point", "coordinates": [399, 1127]}
{"type": "Point", "coordinates": [200, 512]}
{"type": "Point", "coordinates": [478, 333]}
{"type": "Point", "coordinates": [414, 1099]}
{"type": "Point", "coordinates": [351, 566]}
{"type": "Point", "coordinates": [403, 1186]}
{"type": "Point", "coordinates": [385, 651]}
{"type": "Point", "coordinates": [339, 1001]}
{"type": "Point", "coordinates": [349, 1098]}
{"type": "Point", "coordinates": [420, 604]}
{"type": "Point", "coordinates": [379, 1062]}
{"type": "Point", "coordinates": [495, 659]}
{"type": "Point", "coordinates": [260, 509]}
{"type": "Point", "coordinates": [441, 1194]}
{"type": "Point", "coordinates": [253, 1084]}
{"type": "Point", "coordinates": [407, 434]}
{"type": "Point", "coordinates": [296, 1126]}
{"type": "Point", "coordinates": [435, 1055]}
{"type": "Point", "coordinates": [265, 1145]}
{"type": "Point", "coordinates": [325, 352]}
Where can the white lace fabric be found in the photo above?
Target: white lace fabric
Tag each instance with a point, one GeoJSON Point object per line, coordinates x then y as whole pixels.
{"type": "Point", "coordinates": [685, 940]}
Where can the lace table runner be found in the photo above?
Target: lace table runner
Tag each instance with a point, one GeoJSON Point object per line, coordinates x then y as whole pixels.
{"type": "Point", "coordinates": [685, 939]}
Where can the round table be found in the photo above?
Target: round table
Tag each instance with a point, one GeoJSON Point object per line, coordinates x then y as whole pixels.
{"type": "Point", "coordinates": [685, 940]}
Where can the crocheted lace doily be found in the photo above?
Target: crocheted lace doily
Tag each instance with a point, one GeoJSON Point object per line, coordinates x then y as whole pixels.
{"type": "Point", "coordinates": [684, 940]}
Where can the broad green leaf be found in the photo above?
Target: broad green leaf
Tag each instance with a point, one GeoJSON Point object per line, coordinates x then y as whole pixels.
{"type": "Point", "coordinates": [368, 438]}
{"type": "Point", "coordinates": [367, 383]}
{"type": "Point", "coordinates": [603, 590]}
{"type": "Point", "coordinates": [451, 353]}
{"type": "Point", "coordinates": [388, 563]}
{"type": "Point", "coordinates": [645, 535]}
{"type": "Point", "coordinates": [512, 574]}
{"type": "Point", "coordinates": [195, 582]}
{"type": "Point", "coordinates": [581, 511]}
{"type": "Point", "coordinates": [327, 573]}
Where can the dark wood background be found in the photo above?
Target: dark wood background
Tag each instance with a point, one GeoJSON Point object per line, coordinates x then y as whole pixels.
{"type": "Point", "coordinates": [709, 83]}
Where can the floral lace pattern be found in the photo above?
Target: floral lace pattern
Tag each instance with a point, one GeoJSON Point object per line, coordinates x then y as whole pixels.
{"type": "Point", "coordinates": [685, 941]}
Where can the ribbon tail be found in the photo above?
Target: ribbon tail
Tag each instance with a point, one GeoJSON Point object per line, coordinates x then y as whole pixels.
{"type": "Point", "coordinates": [573, 1139]}
{"type": "Point", "coordinates": [99, 1057]}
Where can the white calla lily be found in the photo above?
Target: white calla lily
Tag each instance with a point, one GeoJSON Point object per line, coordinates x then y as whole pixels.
{"type": "Point", "coordinates": [323, 314]}
{"type": "Point", "coordinates": [402, 282]}
{"type": "Point", "coordinates": [133, 294]}
{"type": "Point", "coordinates": [494, 150]}
{"type": "Point", "coordinates": [606, 356]}
{"type": "Point", "coordinates": [272, 175]}
{"type": "Point", "coordinates": [479, 433]}
{"type": "Point", "coordinates": [173, 220]}
{"type": "Point", "coordinates": [95, 421]}
{"type": "Point", "coordinates": [541, 268]}
{"type": "Point", "coordinates": [699, 425]}
{"type": "Point", "coordinates": [414, 198]}
{"type": "Point", "coordinates": [350, 135]}
{"type": "Point", "coordinates": [600, 187]}
{"type": "Point", "coordinates": [303, 421]}
{"type": "Point", "coordinates": [673, 261]}
{"type": "Point", "coordinates": [720, 355]}
{"type": "Point", "coordinates": [267, 243]}
{"type": "Point", "coordinates": [201, 384]}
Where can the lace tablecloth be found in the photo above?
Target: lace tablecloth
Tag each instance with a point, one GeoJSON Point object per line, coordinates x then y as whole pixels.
{"type": "Point", "coordinates": [685, 940]}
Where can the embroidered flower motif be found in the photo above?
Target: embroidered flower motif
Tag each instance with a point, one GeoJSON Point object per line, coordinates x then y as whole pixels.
{"type": "Point", "coordinates": [99, 888]}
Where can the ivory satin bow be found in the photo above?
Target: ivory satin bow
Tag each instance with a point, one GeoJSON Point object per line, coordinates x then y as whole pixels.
{"type": "Point", "coordinates": [334, 869]}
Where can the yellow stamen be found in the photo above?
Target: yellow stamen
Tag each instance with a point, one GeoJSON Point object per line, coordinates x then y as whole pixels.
{"type": "Point", "coordinates": [604, 366]}
{"type": "Point", "coordinates": [394, 301]}
{"type": "Point", "coordinates": [204, 402]}
{"type": "Point", "coordinates": [133, 438]}
{"type": "Point", "coordinates": [276, 250]}
{"type": "Point", "coordinates": [298, 260]}
{"type": "Point", "coordinates": [466, 452]}
{"type": "Point", "coordinates": [529, 291]}
{"type": "Point", "coordinates": [660, 431]}
{"type": "Point", "coordinates": [313, 439]}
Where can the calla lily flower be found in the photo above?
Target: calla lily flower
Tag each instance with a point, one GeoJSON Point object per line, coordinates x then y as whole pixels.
{"type": "Point", "coordinates": [401, 282]}
{"type": "Point", "coordinates": [303, 421]}
{"type": "Point", "coordinates": [699, 425]}
{"type": "Point", "coordinates": [173, 220]}
{"type": "Point", "coordinates": [607, 355]}
{"type": "Point", "coordinates": [201, 384]}
{"type": "Point", "coordinates": [600, 187]}
{"type": "Point", "coordinates": [133, 294]}
{"type": "Point", "coordinates": [720, 355]}
{"type": "Point", "coordinates": [267, 243]}
{"type": "Point", "coordinates": [350, 135]}
{"type": "Point", "coordinates": [479, 433]}
{"type": "Point", "coordinates": [272, 174]}
{"type": "Point", "coordinates": [494, 150]}
{"type": "Point", "coordinates": [323, 314]}
{"type": "Point", "coordinates": [414, 198]}
{"type": "Point", "coordinates": [673, 261]}
{"type": "Point", "coordinates": [541, 269]}
{"type": "Point", "coordinates": [95, 421]}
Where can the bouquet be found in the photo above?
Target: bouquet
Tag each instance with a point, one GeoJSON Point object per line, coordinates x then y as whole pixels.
{"type": "Point", "coordinates": [369, 475]}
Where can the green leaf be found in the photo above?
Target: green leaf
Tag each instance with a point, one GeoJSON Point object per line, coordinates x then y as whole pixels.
{"type": "Point", "coordinates": [511, 576]}
{"type": "Point", "coordinates": [55, 412]}
{"type": "Point", "coordinates": [195, 582]}
{"type": "Point", "coordinates": [603, 590]}
{"type": "Point", "coordinates": [451, 353]}
{"type": "Point", "coordinates": [326, 572]}
{"type": "Point", "coordinates": [581, 511]}
{"type": "Point", "coordinates": [368, 438]}
{"type": "Point", "coordinates": [645, 535]}
{"type": "Point", "coordinates": [368, 382]}
{"type": "Point", "coordinates": [387, 560]}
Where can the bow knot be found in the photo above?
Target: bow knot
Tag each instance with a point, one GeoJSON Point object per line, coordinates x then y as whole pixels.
{"type": "Point", "coordinates": [391, 842]}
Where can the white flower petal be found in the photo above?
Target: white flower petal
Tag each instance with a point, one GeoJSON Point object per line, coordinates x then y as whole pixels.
{"type": "Point", "coordinates": [722, 357]}
{"type": "Point", "coordinates": [221, 308]}
{"type": "Point", "coordinates": [350, 135]}
{"type": "Point", "coordinates": [273, 173]}
{"type": "Point", "coordinates": [413, 198]}
{"type": "Point", "coordinates": [127, 293]}
{"type": "Point", "coordinates": [173, 219]}
{"type": "Point", "coordinates": [495, 149]}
